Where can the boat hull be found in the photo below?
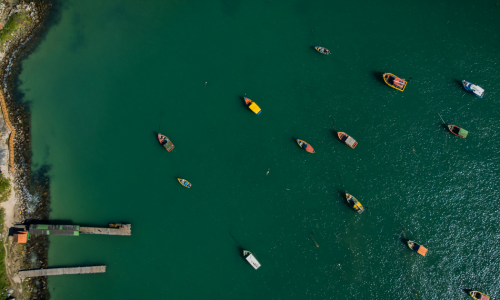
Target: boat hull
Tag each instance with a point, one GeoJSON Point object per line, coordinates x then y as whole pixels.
{"type": "Point", "coordinates": [165, 142]}
{"type": "Point", "coordinates": [184, 182]}
{"type": "Point", "coordinates": [389, 77]}
{"type": "Point", "coordinates": [305, 146]}
{"type": "Point", "coordinates": [253, 106]}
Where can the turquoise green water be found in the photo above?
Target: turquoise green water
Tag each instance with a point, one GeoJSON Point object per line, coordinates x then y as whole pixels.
{"type": "Point", "coordinates": [108, 73]}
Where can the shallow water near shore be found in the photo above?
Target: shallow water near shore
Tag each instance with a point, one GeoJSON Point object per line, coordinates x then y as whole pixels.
{"type": "Point", "coordinates": [109, 73]}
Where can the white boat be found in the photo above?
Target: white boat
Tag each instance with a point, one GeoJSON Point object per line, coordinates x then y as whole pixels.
{"type": "Point", "coordinates": [475, 89]}
{"type": "Point", "coordinates": [251, 259]}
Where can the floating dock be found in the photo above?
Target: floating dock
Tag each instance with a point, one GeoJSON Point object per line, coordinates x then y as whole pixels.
{"type": "Point", "coordinates": [124, 229]}
{"type": "Point", "coordinates": [62, 271]}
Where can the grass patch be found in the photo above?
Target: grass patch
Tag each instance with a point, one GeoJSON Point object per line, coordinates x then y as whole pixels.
{"type": "Point", "coordinates": [13, 26]}
{"type": "Point", "coordinates": [4, 283]}
{"type": "Point", "coordinates": [4, 189]}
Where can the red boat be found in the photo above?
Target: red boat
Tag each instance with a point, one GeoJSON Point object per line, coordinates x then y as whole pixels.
{"type": "Point", "coordinates": [305, 146]}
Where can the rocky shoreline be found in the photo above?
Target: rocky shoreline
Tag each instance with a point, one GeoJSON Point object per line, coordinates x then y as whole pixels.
{"type": "Point", "coordinates": [31, 188]}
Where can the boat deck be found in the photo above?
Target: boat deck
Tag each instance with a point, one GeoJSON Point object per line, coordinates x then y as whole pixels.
{"type": "Point", "coordinates": [169, 146]}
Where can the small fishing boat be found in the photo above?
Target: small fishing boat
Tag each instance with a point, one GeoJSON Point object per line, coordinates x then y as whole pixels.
{"type": "Point", "coordinates": [165, 142]}
{"type": "Point", "coordinates": [115, 225]}
{"type": "Point", "coordinates": [305, 146]}
{"type": "Point", "coordinates": [184, 182]}
{"type": "Point", "coordinates": [475, 89]}
{"type": "Point", "coordinates": [253, 106]}
{"type": "Point", "coordinates": [251, 259]}
{"type": "Point", "coordinates": [344, 137]}
{"type": "Point", "coordinates": [479, 296]}
{"type": "Point", "coordinates": [322, 50]}
{"type": "Point", "coordinates": [417, 248]}
{"type": "Point", "coordinates": [394, 81]}
{"type": "Point", "coordinates": [458, 131]}
{"type": "Point", "coordinates": [354, 203]}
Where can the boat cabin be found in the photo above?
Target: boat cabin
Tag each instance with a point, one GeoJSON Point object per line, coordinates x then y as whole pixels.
{"type": "Point", "coordinates": [479, 91]}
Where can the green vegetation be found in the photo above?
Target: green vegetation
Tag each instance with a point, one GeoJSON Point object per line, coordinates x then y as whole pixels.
{"type": "Point", "coordinates": [13, 26]}
{"type": "Point", "coordinates": [4, 189]}
{"type": "Point", "coordinates": [4, 283]}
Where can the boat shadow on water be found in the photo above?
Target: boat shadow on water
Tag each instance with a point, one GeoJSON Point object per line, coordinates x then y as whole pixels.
{"type": "Point", "coordinates": [379, 76]}
{"type": "Point", "coordinates": [242, 101]}
{"type": "Point", "coordinates": [343, 199]}
{"type": "Point", "coordinates": [240, 251]}
{"type": "Point", "coordinates": [458, 82]}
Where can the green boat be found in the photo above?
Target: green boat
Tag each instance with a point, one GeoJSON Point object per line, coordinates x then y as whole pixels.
{"type": "Point", "coordinates": [458, 131]}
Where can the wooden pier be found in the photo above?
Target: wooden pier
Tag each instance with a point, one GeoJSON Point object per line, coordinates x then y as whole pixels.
{"type": "Point", "coordinates": [62, 271]}
{"type": "Point", "coordinates": [125, 229]}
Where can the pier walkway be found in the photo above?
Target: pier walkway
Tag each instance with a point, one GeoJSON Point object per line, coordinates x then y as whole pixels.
{"type": "Point", "coordinates": [125, 229]}
{"type": "Point", "coordinates": [62, 271]}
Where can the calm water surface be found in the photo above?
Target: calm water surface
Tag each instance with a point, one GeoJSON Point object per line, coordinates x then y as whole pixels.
{"type": "Point", "coordinates": [109, 73]}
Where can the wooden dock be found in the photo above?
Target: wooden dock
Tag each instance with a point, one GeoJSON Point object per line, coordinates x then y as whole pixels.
{"type": "Point", "coordinates": [62, 271]}
{"type": "Point", "coordinates": [125, 229]}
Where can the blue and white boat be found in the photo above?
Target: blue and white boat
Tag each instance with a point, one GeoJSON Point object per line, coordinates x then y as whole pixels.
{"type": "Point", "coordinates": [476, 90]}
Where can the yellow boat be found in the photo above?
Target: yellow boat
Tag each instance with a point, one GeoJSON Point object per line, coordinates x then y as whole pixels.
{"type": "Point", "coordinates": [479, 296]}
{"type": "Point", "coordinates": [395, 82]}
{"type": "Point", "coordinates": [184, 182]}
{"type": "Point", "coordinates": [253, 106]}
{"type": "Point", "coordinates": [354, 203]}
